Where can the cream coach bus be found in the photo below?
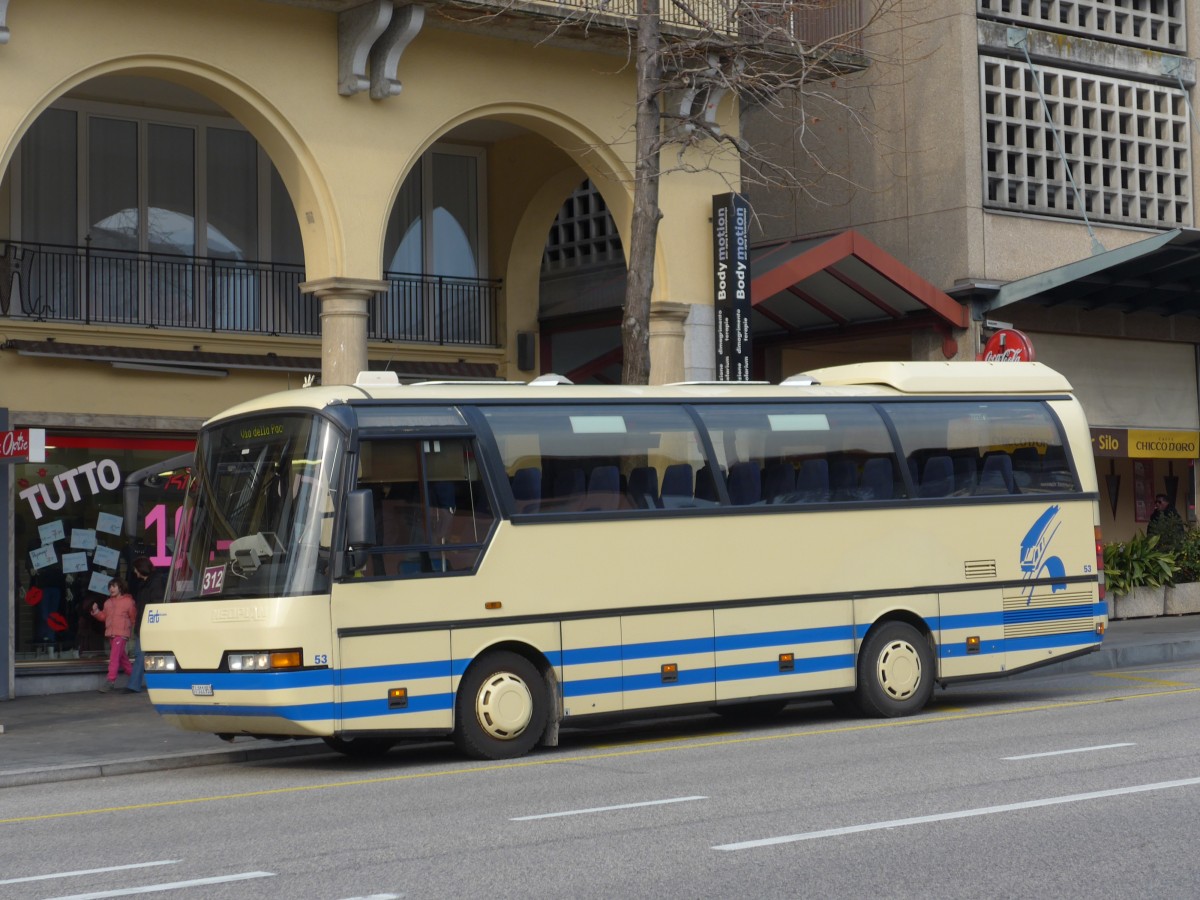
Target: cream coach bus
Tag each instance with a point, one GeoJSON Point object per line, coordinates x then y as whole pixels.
{"type": "Point", "coordinates": [375, 562]}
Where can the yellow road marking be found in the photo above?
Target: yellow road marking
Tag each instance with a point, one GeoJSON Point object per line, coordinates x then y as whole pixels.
{"type": "Point", "coordinates": [639, 750]}
{"type": "Point", "coordinates": [1139, 678]}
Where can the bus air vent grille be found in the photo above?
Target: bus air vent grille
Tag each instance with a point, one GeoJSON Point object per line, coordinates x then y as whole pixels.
{"type": "Point", "coordinates": [1062, 613]}
{"type": "Point", "coordinates": [979, 568]}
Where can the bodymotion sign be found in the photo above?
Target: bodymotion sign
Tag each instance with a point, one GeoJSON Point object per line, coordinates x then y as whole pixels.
{"type": "Point", "coordinates": [731, 284]}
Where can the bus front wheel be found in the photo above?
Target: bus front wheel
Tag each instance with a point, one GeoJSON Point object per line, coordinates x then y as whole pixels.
{"type": "Point", "coordinates": [501, 707]}
{"type": "Point", "coordinates": [895, 671]}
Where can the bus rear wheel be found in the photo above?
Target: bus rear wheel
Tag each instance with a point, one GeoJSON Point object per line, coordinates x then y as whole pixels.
{"type": "Point", "coordinates": [501, 707]}
{"type": "Point", "coordinates": [895, 671]}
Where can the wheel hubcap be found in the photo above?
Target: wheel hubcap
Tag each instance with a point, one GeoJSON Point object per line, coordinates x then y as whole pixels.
{"type": "Point", "coordinates": [504, 706]}
{"type": "Point", "coordinates": [899, 670]}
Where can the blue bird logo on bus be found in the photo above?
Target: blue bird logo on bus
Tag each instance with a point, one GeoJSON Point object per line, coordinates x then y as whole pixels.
{"type": "Point", "coordinates": [1036, 560]}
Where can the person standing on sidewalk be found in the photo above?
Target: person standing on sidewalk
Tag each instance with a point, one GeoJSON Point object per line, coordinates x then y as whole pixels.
{"type": "Point", "coordinates": [118, 616]}
{"type": "Point", "coordinates": [151, 586]}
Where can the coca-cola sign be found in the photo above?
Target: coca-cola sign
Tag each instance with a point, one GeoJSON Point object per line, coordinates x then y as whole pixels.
{"type": "Point", "coordinates": [1008, 345]}
{"type": "Point", "coordinates": [23, 445]}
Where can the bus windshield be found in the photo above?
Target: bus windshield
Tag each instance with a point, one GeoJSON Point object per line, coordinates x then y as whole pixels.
{"type": "Point", "coordinates": [258, 519]}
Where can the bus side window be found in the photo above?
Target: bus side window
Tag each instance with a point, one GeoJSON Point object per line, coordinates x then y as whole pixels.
{"type": "Point", "coordinates": [432, 514]}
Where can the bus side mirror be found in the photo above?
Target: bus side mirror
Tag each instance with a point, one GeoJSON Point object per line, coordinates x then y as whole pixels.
{"type": "Point", "coordinates": [360, 527]}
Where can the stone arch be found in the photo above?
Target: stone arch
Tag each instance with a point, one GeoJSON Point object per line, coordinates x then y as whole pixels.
{"type": "Point", "coordinates": [583, 155]}
{"type": "Point", "coordinates": [324, 250]}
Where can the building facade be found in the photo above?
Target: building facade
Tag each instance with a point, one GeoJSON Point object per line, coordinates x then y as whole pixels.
{"type": "Point", "coordinates": [1036, 163]}
{"type": "Point", "coordinates": [201, 202]}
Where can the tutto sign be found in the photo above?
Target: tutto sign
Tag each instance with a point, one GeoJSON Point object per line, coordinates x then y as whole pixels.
{"type": "Point", "coordinates": [1135, 444]}
{"type": "Point", "coordinates": [1008, 345]}
{"type": "Point", "coordinates": [23, 445]}
{"type": "Point", "coordinates": [731, 285]}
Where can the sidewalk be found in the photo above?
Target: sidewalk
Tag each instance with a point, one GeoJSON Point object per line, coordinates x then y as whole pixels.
{"type": "Point", "coordinates": [64, 737]}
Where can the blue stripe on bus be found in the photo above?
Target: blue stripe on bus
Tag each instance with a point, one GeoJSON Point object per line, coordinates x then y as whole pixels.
{"type": "Point", "coordinates": [586, 687]}
{"type": "Point", "coordinates": [1033, 614]}
{"type": "Point", "coordinates": [242, 681]}
{"type": "Point", "coordinates": [1052, 641]}
{"type": "Point", "coordinates": [401, 672]}
{"type": "Point", "coordinates": [1080, 639]}
{"type": "Point", "coordinates": [441, 668]}
{"type": "Point", "coordinates": [616, 653]}
{"type": "Point", "coordinates": [1014, 616]}
{"type": "Point", "coordinates": [362, 709]}
{"type": "Point", "coordinates": [966, 620]}
{"type": "Point", "coordinates": [770, 668]}
{"type": "Point", "coordinates": [299, 712]}
{"type": "Point", "coordinates": [791, 636]}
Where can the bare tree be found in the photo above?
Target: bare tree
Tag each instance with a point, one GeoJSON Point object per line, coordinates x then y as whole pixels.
{"type": "Point", "coordinates": [781, 55]}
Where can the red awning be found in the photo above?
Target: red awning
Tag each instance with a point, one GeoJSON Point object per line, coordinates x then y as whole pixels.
{"type": "Point", "coordinates": [839, 281]}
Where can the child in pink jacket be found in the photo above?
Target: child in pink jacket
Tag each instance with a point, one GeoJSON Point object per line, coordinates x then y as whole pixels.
{"type": "Point", "coordinates": [118, 616]}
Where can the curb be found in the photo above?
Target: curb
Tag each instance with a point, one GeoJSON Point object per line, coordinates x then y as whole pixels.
{"type": "Point", "coordinates": [1126, 657]}
{"type": "Point", "coordinates": [137, 765]}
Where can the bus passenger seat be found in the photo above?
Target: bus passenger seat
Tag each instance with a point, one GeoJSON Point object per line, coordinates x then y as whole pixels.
{"type": "Point", "coordinates": [812, 483]}
{"type": "Point", "coordinates": [643, 487]}
{"type": "Point", "coordinates": [966, 473]}
{"type": "Point", "coordinates": [570, 483]}
{"type": "Point", "coordinates": [1027, 467]}
{"type": "Point", "coordinates": [745, 484]}
{"type": "Point", "coordinates": [843, 479]}
{"type": "Point", "coordinates": [706, 485]}
{"type": "Point", "coordinates": [877, 479]}
{"type": "Point", "coordinates": [779, 483]}
{"type": "Point", "coordinates": [938, 478]}
{"type": "Point", "coordinates": [676, 486]}
{"type": "Point", "coordinates": [997, 475]}
{"type": "Point", "coordinates": [527, 489]}
{"type": "Point", "coordinates": [604, 488]}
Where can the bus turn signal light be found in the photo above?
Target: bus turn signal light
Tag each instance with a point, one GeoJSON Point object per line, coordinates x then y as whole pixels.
{"type": "Point", "coordinates": [289, 659]}
{"type": "Point", "coordinates": [398, 698]}
{"type": "Point", "coordinates": [973, 644]}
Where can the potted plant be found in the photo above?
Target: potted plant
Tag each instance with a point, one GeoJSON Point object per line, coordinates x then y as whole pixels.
{"type": "Point", "coordinates": [1183, 596]}
{"type": "Point", "coordinates": [1137, 572]}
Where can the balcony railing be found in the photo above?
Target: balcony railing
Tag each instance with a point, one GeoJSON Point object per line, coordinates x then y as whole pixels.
{"type": "Point", "coordinates": [835, 24]}
{"type": "Point", "coordinates": [61, 283]}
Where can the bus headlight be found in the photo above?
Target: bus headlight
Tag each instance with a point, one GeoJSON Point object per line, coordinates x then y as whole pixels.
{"type": "Point", "coordinates": [263, 660]}
{"type": "Point", "coordinates": [160, 662]}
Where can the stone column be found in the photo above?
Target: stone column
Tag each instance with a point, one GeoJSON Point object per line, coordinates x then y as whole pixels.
{"type": "Point", "coordinates": [666, 341]}
{"type": "Point", "coordinates": [343, 324]}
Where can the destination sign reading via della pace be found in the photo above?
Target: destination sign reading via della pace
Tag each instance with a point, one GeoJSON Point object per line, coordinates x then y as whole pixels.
{"type": "Point", "coordinates": [1136, 444]}
{"type": "Point", "coordinates": [731, 284]}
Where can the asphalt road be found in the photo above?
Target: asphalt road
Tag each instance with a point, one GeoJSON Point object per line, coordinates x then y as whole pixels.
{"type": "Point", "coordinates": [1076, 785]}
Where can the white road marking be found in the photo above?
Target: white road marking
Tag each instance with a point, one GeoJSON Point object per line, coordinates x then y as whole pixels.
{"type": "Point", "coordinates": [962, 814]}
{"type": "Point", "coordinates": [169, 886]}
{"type": "Point", "coordinates": [596, 809]}
{"type": "Point", "coordinates": [1064, 752]}
{"type": "Point", "coordinates": [158, 862]}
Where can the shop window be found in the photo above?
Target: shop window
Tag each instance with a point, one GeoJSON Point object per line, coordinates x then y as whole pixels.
{"type": "Point", "coordinates": [68, 539]}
